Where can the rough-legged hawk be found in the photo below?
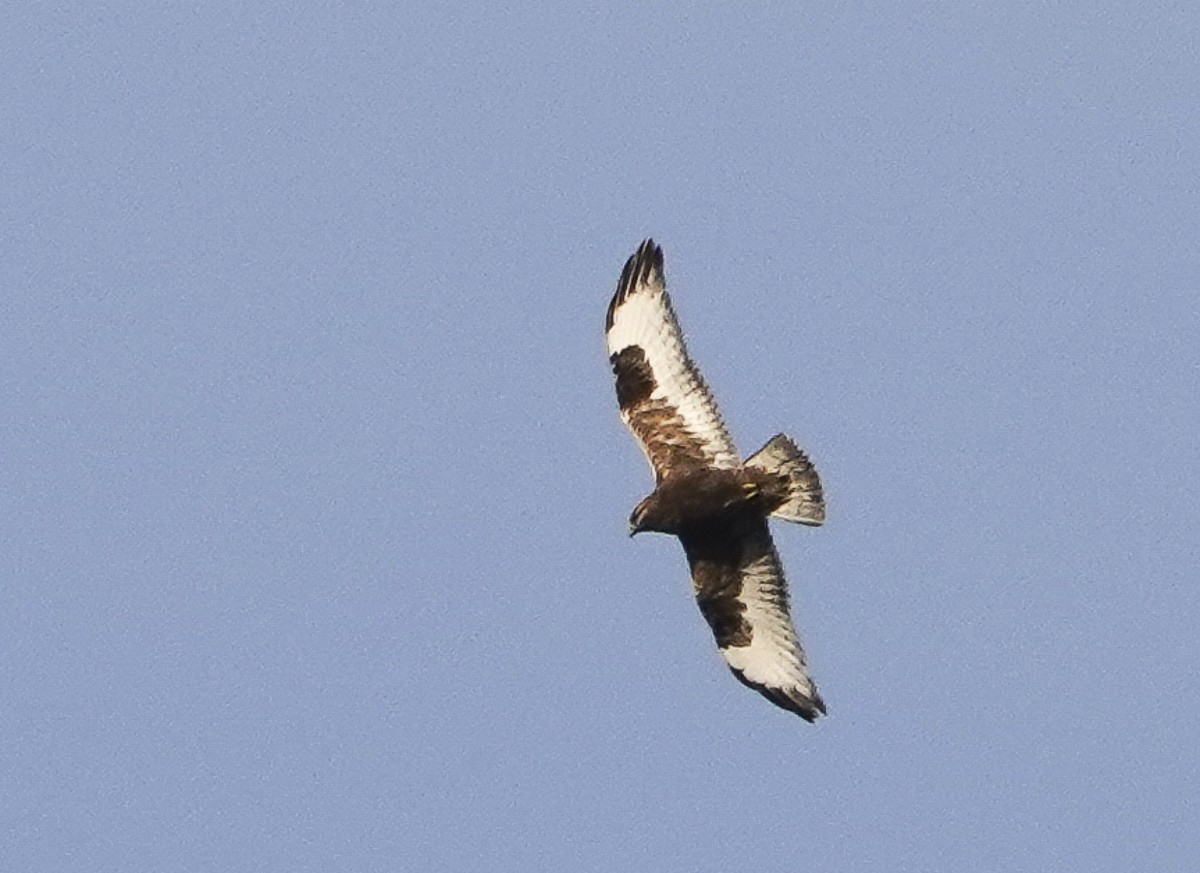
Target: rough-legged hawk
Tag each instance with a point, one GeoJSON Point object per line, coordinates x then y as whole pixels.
{"type": "Point", "coordinates": [715, 503]}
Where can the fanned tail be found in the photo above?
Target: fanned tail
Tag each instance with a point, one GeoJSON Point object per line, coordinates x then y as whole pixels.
{"type": "Point", "coordinates": [804, 502]}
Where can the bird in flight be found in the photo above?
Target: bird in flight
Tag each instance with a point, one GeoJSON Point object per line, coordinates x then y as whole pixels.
{"type": "Point", "coordinates": [715, 503]}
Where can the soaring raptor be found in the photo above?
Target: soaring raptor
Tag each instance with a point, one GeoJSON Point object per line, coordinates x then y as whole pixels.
{"type": "Point", "coordinates": [715, 503]}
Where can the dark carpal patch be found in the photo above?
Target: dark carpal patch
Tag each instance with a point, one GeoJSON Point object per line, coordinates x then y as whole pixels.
{"type": "Point", "coordinates": [725, 614]}
{"type": "Point", "coordinates": [635, 379]}
{"type": "Point", "coordinates": [714, 555]}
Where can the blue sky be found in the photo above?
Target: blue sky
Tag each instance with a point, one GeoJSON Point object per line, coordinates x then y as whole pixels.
{"type": "Point", "coordinates": [316, 494]}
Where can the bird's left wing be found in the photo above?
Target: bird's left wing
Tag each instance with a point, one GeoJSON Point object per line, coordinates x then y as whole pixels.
{"type": "Point", "coordinates": [663, 398]}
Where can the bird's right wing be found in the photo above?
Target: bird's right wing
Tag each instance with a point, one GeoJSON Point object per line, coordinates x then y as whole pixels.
{"type": "Point", "coordinates": [739, 585]}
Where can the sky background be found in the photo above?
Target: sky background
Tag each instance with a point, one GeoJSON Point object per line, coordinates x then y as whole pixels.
{"type": "Point", "coordinates": [314, 493]}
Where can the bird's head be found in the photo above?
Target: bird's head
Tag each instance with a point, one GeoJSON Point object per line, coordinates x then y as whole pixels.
{"type": "Point", "coordinates": [639, 520]}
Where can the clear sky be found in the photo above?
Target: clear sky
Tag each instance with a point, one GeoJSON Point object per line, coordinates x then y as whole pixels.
{"type": "Point", "coordinates": [314, 493]}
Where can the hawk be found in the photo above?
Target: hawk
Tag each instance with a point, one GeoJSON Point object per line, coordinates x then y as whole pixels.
{"type": "Point", "coordinates": [715, 503]}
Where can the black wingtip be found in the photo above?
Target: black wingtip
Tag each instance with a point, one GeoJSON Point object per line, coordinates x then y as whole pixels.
{"type": "Point", "coordinates": [808, 708]}
{"type": "Point", "coordinates": [641, 265]}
